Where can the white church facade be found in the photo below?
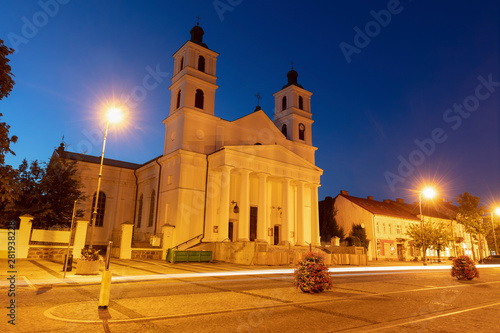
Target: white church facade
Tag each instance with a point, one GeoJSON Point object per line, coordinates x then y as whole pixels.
{"type": "Point", "coordinates": [249, 180]}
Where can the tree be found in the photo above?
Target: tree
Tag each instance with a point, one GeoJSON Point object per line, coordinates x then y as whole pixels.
{"type": "Point", "coordinates": [470, 215]}
{"type": "Point", "coordinates": [435, 235]}
{"type": "Point", "coordinates": [327, 222]}
{"type": "Point", "coordinates": [6, 81]}
{"type": "Point", "coordinates": [61, 188]}
{"type": "Point", "coordinates": [358, 234]}
{"type": "Point", "coordinates": [8, 190]}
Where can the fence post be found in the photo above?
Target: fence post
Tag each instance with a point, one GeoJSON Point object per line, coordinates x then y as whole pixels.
{"type": "Point", "coordinates": [126, 240]}
{"type": "Point", "coordinates": [23, 237]}
{"type": "Point", "coordinates": [80, 236]}
{"type": "Point", "coordinates": [167, 240]}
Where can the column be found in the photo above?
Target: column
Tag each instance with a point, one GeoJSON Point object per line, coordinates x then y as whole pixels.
{"type": "Point", "coordinates": [224, 203]}
{"type": "Point", "coordinates": [23, 237]}
{"type": "Point", "coordinates": [210, 221]}
{"type": "Point", "coordinates": [300, 214]}
{"type": "Point", "coordinates": [167, 231]}
{"type": "Point", "coordinates": [244, 204]}
{"type": "Point", "coordinates": [287, 207]}
{"type": "Point", "coordinates": [315, 238]}
{"type": "Point", "coordinates": [262, 209]}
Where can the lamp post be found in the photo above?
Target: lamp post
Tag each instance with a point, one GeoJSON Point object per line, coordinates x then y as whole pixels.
{"type": "Point", "coordinates": [428, 192]}
{"type": "Point", "coordinates": [114, 115]}
{"type": "Point", "coordinates": [497, 211]}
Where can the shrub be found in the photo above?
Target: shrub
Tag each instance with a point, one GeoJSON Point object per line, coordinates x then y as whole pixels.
{"type": "Point", "coordinates": [311, 274]}
{"type": "Point", "coordinates": [90, 254]}
{"type": "Point", "coordinates": [464, 268]}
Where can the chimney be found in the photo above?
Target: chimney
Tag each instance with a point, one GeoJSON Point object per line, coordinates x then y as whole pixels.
{"type": "Point", "coordinates": [342, 192]}
{"type": "Point", "coordinates": [369, 197]}
{"type": "Point", "coordinates": [399, 200]}
{"type": "Point", "coordinates": [387, 201]}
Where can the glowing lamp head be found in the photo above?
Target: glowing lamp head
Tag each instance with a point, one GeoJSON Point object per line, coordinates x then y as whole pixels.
{"type": "Point", "coordinates": [429, 192]}
{"type": "Point", "coordinates": [115, 115]}
{"type": "Point", "coordinates": [497, 211]}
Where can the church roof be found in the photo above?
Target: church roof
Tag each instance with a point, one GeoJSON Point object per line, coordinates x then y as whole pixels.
{"type": "Point", "coordinates": [97, 160]}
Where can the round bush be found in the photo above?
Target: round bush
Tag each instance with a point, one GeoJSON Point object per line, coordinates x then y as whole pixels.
{"type": "Point", "coordinates": [464, 268]}
{"type": "Point", "coordinates": [311, 274]}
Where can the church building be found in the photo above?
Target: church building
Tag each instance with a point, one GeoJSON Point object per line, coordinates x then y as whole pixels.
{"type": "Point", "coordinates": [252, 179]}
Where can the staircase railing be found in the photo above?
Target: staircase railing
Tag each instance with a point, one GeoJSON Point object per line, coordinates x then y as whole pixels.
{"type": "Point", "coordinates": [189, 240]}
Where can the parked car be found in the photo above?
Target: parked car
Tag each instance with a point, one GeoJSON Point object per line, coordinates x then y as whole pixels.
{"type": "Point", "coordinates": [492, 260]}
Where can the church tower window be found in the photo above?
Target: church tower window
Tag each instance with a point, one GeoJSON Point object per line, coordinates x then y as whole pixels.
{"type": "Point", "coordinates": [201, 63]}
{"type": "Point", "coordinates": [301, 103]}
{"type": "Point", "coordinates": [283, 130]}
{"type": "Point", "coordinates": [283, 103]}
{"type": "Point", "coordinates": [182, 64]}
{"type": "Point", "coordinates": [152, 209]}
{"type": "Point", "coordinates": [101, 205]}
{"type": "Point", "coordinates": [178, 100]}
{"type": "Point", "coordinates": [302, 131]}
{"type": "Point", "coordinates": [198, 99]}
{"type": "Point", "coordinates": [139, 214]}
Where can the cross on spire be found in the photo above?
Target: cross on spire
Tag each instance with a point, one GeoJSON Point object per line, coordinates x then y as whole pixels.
{"type": "Point", "coordinates": [198, 21]}
{"type": "Point", "coordinates": [292, 64]}
{"type": "Point", "coordinates": [258, 98]}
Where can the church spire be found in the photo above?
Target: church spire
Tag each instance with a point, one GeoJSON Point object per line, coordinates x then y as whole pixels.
{"type": "Point", "coordinates": [197, 34]}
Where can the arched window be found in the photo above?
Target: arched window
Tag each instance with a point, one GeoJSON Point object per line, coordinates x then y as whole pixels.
{"type": "Point", "coordinates": [198, 99]}
{"type": "Point", "coordinates": [283, 130]}
{"type": "Point", "coordinates": [101, 206]}
{"type": "Point", "coordinates": [301, 103]}
{"type": "Point", "coordinates": [178, 99]}
{"type": "Point", "coordinates": [302, 131]}
{"type": "Point", "coordinates": [152, 209]}
{"type": "Point", "coordinates": [201, 63]}
{"type": "Point", "coordinates": [139, 213]}
{"type": "Point", "coordinates": [283, 103]}
{"type": "Point", "coordinates": [181, 64]}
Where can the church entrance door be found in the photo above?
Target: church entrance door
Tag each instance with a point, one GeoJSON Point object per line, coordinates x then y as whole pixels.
{"type": "Point", "coordinates": [276, 234]}
{"type": "Point", "coordinates": [253, 223]}
{"type": "Point", "coordinates": [230, 231]}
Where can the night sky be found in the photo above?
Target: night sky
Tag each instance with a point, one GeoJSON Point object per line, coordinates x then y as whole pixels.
{"type": "Point", "coordinates": [403, 92]}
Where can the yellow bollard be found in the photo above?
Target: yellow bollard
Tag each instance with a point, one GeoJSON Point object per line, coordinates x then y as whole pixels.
{"type": "Point", "coordinates": [105, 290]}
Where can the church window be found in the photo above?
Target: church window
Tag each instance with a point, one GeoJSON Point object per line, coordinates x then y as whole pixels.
{"type": "Point", "coordinates": [201, 64]}
{"type": "Point", "coordinates": [182, 64]}
{"type": "Point", "coordinates": [139, 212]}
{"type": "Point", "coordinates": [101, 205]}
{"type": "Point", "coordinates": [152, 209]}
{"type": "Point", "coordinates": [302, 131]}
{"type": "Point", "coordinates": [398, 229]}
{"type": "Point", "coordinates": [301, 103]}
{"type": "Point", "coordinates": [198, 99]}
{"type": "Point", "coordinates": [283, 130]}
{"type": "Point", "coordinates": [283, 103]}
{"type": "Point", "coordinates": [178, 99]}
{"type": "Point", "coordinates": [378, 228]}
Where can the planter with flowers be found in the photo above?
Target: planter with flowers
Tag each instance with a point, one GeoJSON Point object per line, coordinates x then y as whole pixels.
{"type": "Point", "coordinates": [464, 268]}
{"type": "Point", "coordinates": [311, 274]}
{"type": "Point", "coordinates": [89, 262]}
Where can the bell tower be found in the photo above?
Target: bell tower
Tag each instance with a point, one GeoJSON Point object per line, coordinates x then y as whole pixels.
{"type": "Point", "coordinates": [193, 84]}
{"type": "Point", "coordinates": [292, 111]}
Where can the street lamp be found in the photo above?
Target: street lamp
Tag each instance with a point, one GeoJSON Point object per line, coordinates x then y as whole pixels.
{"type": "Point", "coordinates": [429, 193]}
{"type": "Point", "coordinates": [114, 115]}
{"type": "Point", "coordinates": [497, 211]}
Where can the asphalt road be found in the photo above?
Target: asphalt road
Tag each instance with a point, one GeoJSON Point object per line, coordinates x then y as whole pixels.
{"type": "Point", "coordinates": [402, 301]}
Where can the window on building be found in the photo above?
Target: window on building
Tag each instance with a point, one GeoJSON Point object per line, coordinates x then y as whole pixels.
{"type": "Point", "coordinates": [398, 229]}
{"type": "Point", "coordinates": [201, 63]}
{"type": "Point", "coordinates": [152, 209]}
{"type": "Point", "coordinates": [283, 103]}
{"type": "Point", "coordinates": [383, 228]}
{"type": "Point", "coordinates": [139, 211]}
{"type": "Point", "coordinates": [178, 99]}
{"type": "Point", "coordinates": [101, 206]}
{"type": "Point", "coordinates": [198, 99]}
{"type": "Point", "coordinates": [301, 103]}
{"type": "Point", "coordinates": [181, 66]}
{"type": "Point", "coordinates": [302, 131]}
{"type": "Point", "coordinates": [283, 130]}
{"type": "Point", "coordinates": [390, 228]}
{"type": "Point", "coordinates": [378, 228]}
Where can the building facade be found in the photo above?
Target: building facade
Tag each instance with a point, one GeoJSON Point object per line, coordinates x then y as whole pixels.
{"type": "Point", "coordinates": [249, 180]}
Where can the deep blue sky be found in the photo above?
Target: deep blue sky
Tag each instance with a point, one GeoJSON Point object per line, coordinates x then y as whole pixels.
{"type": "Point", "coordinates": [368, 112]}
